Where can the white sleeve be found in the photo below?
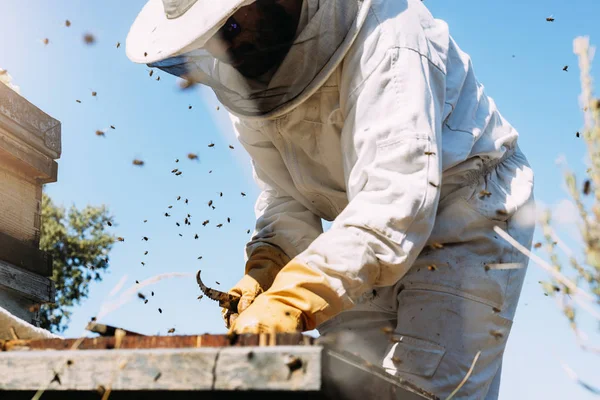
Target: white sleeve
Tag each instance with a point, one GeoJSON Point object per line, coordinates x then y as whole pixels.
{"type": "Point", "coordinates": [391, 144]}
{"type": "Point", "coordinates": [281, 220]}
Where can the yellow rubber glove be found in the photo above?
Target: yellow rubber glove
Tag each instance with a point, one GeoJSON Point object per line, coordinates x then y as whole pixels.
{"type": "Point", "coordinates": [261, 269]}
{"type": "Point", "coordinates": [299, 300]}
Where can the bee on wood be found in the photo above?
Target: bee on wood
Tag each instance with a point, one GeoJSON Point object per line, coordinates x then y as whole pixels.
{"type": "Point", "coordinates": [88, 39]}
{"type": "Point", "coordinates": [120, 239]}
{"type": "Point", "coordinates": [432, 267]}
{"type": "Point", "coordinates": [396, 360]}
{"type": "Point", "coordinates": [137, 162]}
{"type": "Point", "coordinates": [387, 330]}
{"type": "Point", "coordinates": [99, 133]}
{"type": "Point", "coordinates": [436, 245]}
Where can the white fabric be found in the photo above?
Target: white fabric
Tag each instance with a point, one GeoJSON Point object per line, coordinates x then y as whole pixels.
{"type": "Point", "coordinates": [331, 28]}
{"type": "Point", "coordinates": [153, 36]}
{"type": "Point", "coordinates": [401, 148]}
{"type": "Point", "coordinates": [23, 329]}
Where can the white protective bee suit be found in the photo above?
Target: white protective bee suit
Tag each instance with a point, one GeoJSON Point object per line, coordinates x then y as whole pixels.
{"type": "Point", "coordinates": [384, 129]}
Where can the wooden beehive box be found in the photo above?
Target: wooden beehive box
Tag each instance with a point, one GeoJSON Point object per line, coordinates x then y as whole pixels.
{"type": "Point", "coordinates": [29, 146]}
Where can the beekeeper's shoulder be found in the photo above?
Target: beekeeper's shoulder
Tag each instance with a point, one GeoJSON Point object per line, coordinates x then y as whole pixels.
{"type": "Point", "coordinates": [396, 24]}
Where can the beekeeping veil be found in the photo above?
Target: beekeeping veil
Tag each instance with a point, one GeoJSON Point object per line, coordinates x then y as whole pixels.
{"type": "Point", "coordinates": [172, 35]}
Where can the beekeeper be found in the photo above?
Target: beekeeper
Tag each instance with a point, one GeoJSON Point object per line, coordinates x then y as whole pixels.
{"type": "Point", "coordinates": [368, 114]}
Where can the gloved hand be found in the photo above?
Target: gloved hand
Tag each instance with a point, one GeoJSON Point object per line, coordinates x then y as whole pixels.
{"type": "Point", "coordinates": [261, 268]}
{"type": "Point", "coordinates": [299, 300]}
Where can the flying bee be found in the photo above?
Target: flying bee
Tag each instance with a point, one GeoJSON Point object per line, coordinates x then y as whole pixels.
{"type": "Point", "coordinates": [137, 162]}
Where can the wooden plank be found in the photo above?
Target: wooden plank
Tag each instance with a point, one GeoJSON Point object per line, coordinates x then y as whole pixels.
{"type": "Point", "coordinates": [33, 165]}
{"type": "Point", "coordinates": [160, 369]}
{"type": "Point", "coordinates": [30, 124]}
{"type": "Point", "coordinates": [173, 369]}
{"type": "Point", "coordinates": [19, 306]}
{"type": "Point", "coordinates": [269, 368]}
{"type": "Point", "coordinates": [20, 206]}
{"type": "Point", "coordinates": [153, 342]}
{"type": "Point", "coordinates": [23, 255]}
{"type": "Point", "coordinates": [32, 286]}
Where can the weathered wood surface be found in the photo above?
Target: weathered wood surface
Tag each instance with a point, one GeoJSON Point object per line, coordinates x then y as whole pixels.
{"type": "Point", "coordinates": [166, 342]}
{"type": "Point", "coordinates": [23, 255]}
{"type": "Point", "coordinates": [34, 166]}
{"type": "Point", "coordinates": [164, 369]}
{"type": "Point", "coordinates": [29, 124]}
{"type": "Point", "coordinates": [29, 285]}
{"type": "Point", "coordinates": [19, 306]}
{"type": "Point", "coordinates": [20, 206]}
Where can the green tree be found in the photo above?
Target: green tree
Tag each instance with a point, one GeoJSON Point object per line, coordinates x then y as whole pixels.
{"type": "Point", "coordinates": [79, 244]}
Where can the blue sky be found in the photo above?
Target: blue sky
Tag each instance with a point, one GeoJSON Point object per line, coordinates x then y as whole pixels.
{"type": "Point", "coordinates": [154, 123]}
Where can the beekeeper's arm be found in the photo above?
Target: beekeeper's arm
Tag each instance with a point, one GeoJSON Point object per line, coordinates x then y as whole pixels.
{"type": "Point", "coordinates": [284, 227]}
{"type": "Point", "coordinates": [391, 146]}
